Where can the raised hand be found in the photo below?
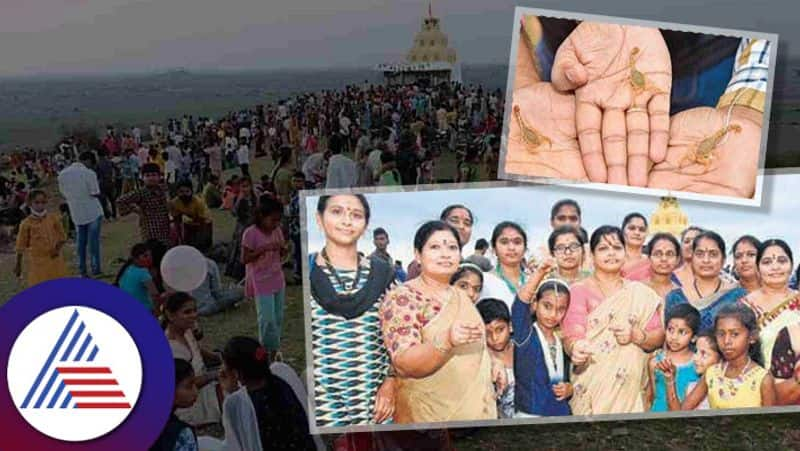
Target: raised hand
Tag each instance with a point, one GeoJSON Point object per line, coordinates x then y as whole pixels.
{"type": "Point", "coordinates": [710, 155]}
{"type": "Point", "coordinates": [622, 78]}
{"type": "Point", "coordinates": [667, 367]}
{"type": "Point", "coordinates": [542, 139]}
{"type": "Point", "coordinates": [623, 333]}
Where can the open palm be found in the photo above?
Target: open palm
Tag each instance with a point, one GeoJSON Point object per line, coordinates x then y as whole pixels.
{"type": "Point", "coordinates": [551, 115]}
{"type": "Point", "coordinates": [732, 164]}
{"type": "Point", "coordinates": [613, 68]}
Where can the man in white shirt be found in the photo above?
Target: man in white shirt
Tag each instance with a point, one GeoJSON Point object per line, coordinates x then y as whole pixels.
{"type": "Point", "coordinates": [79, 186]}
{"type": "Point", "coordinates": [342, 171]}
{"type": "Point", "coordinates": [243, 158]}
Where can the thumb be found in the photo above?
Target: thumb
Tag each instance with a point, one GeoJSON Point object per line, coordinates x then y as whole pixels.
{"type": "Point", "coordinates": [568, 73]}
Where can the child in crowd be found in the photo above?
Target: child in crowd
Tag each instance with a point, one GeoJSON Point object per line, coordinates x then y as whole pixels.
{"type": "Point", "coordinates": [178, 435]}
{"type": "Point", "coordinates": [706, 354]}
{"type": "Point", "coordinates": [211, 194]}
{"type": "Point", "coordinates": [468, 278]}
{"type": "Point", "coordinates": [135, 279]}
{"type": "Point", "coordinates": [230, 193]}
{"type": "Point", "coordinates": [683, 321]}
{"type": "Point", "coordinates": [263, 247]}
{"type": "Point", "coordinates": [261, 410]}
{"type": "Point", "coordinates": [41, 236]}
{"type": "Point", "coordinates": [390, 176]}
{"type": "Point", "coordinates": [498, 338]}
{"type": "Point", "coordinates": [541, 366]}
{"type": "Point", "coordinates": [739, 380]}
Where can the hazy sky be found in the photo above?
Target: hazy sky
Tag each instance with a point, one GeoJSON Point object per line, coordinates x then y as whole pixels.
{"type": "Point", "coordinates": [401, 214]}
{"type": "Point", "coordinates": [79, 36]}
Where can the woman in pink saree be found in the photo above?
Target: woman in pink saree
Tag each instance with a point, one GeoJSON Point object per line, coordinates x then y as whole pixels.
{"type": "Point", "coordinates": [610, 326]}
{"type": "Point", "coordinates": [637, 265]}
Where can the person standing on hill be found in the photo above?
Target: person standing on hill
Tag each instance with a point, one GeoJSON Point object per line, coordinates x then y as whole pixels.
{"type": "Point", "coordinates": [79, 186]}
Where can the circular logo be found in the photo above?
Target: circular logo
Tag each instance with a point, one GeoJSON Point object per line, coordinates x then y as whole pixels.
{"type": "Point", "coordinates": [88, 367]}
{"type": "Point", "coordinates": [74, 373]}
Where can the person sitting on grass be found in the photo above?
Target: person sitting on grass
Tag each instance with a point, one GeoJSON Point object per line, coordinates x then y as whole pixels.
{"type": "Point", "coordinates": [178, 435]}
{"type": "Point", "coordinates": [191, 217]}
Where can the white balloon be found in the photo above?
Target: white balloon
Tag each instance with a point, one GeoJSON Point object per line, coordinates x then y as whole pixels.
{"type": "Point", "coordinates": [184, 268]}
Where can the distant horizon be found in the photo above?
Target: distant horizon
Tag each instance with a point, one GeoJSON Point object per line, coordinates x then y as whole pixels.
{"type": "Point", "coordinates": [215, 71]}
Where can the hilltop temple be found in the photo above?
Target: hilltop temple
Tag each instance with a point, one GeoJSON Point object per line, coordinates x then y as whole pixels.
{"type": "Point", "coordinates": [668, 217]}
{"type": "Point", "coordinates": [430, 61]}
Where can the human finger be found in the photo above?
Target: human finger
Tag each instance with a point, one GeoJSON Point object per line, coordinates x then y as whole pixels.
{"type": "Point", "coordinates": [638, 129]}
{"type": "Point", "coordinates": [615, 146]}
{"type": "Point", "coordinates": [568, 72]}
{"type": "Point", "coordinates": [588, 122]}
{"type": "Point", "coordinates": [658, 111]}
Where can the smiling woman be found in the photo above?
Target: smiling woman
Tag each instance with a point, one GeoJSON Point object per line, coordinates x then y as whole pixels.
{"type": "Point", "coordinates": [436, 339]}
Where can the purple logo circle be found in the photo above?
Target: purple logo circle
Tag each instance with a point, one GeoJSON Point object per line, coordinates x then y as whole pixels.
{"type": "Point", "coordinates": [78, 368]}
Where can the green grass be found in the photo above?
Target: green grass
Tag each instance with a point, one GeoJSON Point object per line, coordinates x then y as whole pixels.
{"type": "Point", "coordinates": [775, 432]}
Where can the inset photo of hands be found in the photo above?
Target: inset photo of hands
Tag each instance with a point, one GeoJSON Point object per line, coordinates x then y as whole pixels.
{"type": "Point", "coordinates": [638, 107]}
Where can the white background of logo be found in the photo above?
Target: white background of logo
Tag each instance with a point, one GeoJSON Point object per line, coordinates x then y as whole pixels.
{"type": "Point", "coordinates": [117, 350]}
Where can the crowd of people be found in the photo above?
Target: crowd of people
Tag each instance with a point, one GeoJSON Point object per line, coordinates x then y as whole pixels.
{"type": "Point", "coordinates": [173, 176]}
{"type": "Point", "coordinates": [607, 322]}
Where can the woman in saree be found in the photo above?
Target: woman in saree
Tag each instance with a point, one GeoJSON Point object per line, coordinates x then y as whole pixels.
{"type": "Point", "coordinates": [745, 251]}
{"type": "Point", "coordinates": [775, 304]}
{"type": "Point", "coordinates": [683, 275]}
{"type": "Point", "coordinates": [509, 242]}
{"type": "Point", "coordinates": [785, 365]}
{"type": "Point", "coordinates": [707, 291]}
{"type": "Point", "coordinates": [436, 339]}
{"type": "Point", "coordinates": [458, 216]}
{"type": "Point", "coordinates": [637, 265]}
{"type": "Point", "coordinates": [609, 327]}
{"type": "Point", "coordinates": [664, 256]}
{"type": "Point", "coordinates": [566, 245]}
{"type": "Point", "coordinates": [346, 291]}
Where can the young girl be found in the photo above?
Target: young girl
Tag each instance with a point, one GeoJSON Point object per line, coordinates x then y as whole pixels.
{"type": "Point", "coordinates": [41, 236]}
{"type": "Point", "coordinates": [468, 278]}
{"type": "Point", "coordinates": [260, 410]}
{"type": "Point", "coordinates": [180, 312]}
{"type": "Point", "coordinates": [706, 354]}
{"type": "Point", "coordinates": [541, 367]}
{"type": "Point", "coordinates": [683, 320]}
{"type": "Point", "coordinates": [263, 248]}
{"type": "Point", "coordinates": [135, 279]}
{"type": "Point", "coordinates": [739, 380]}
{"type": "Point", "coordinates": [177, 435]}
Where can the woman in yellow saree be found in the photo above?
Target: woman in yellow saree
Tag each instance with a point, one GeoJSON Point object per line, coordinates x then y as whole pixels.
{"type": "Point", "coordinates": [436, 339]}
{"type": "Point", "coordinates": [610, 326]}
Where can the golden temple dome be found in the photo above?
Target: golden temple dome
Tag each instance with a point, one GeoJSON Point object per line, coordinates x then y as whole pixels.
{"type": "Point", "coordinates": [431, 44]}
{"type": "Point", "coordinates": [668, 217]}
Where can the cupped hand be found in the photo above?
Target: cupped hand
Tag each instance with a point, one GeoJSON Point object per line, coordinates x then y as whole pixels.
{"type": "Point", "coordinates": [544, 114]}
{"type": "Point", "coordinates": [462, 333]}
{"type": "Point", "coordinates": [622, 78]}
{"type": "Point", "coordinates": [732, 164]}
{"type": "Point", "coordinates": [384, 401]}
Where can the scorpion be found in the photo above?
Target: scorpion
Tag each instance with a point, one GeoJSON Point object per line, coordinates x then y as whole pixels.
{"type": "Point", "coordinates": [639, 81]}
{"type": "Point", "coordinates": [529, 134]}
{"type": "Point", "coordinates": [703, 151]}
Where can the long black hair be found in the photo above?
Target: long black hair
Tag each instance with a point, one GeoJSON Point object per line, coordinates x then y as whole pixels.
{"type": "Point", "coordinates": [247, 357]}
{"type": "Point", "coordinates": [136, 251]}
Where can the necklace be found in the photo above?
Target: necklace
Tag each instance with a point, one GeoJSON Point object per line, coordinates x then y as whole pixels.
{"type": "Point", "coordinates": [335, 273]}
{"type": "Point", "coordinates": [741, 372]}
{"type": "Point", "coordinates": [697, 290]}
{"type": "Point", "coordinates": [511, 287]}
{"type": "Point", "coordinates": [600, 286]}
